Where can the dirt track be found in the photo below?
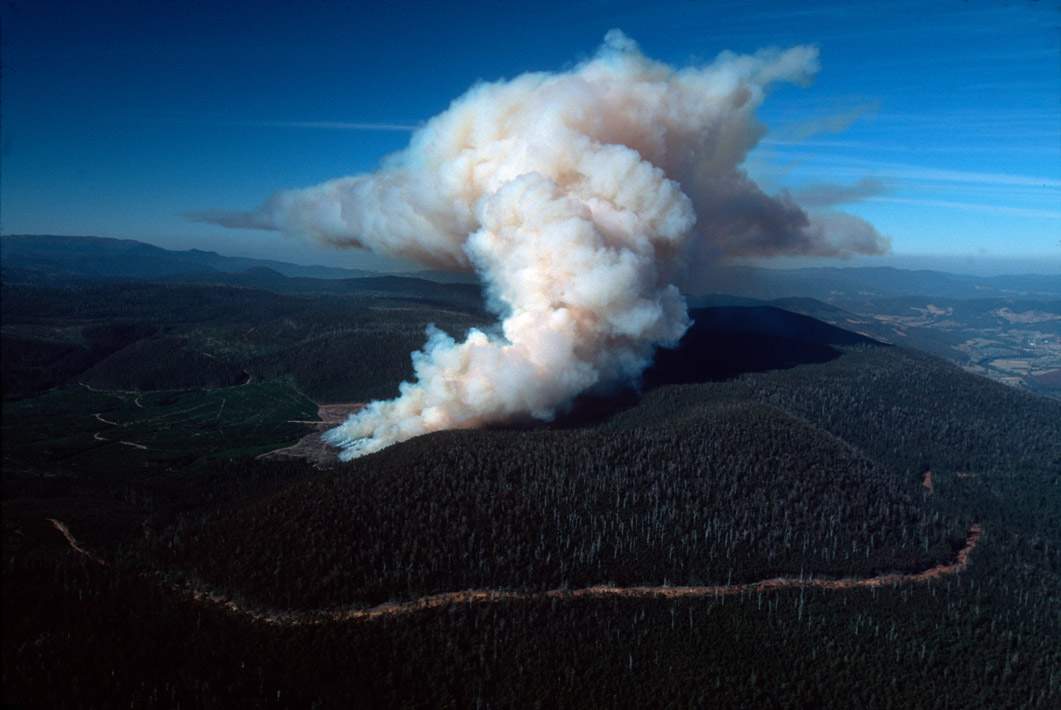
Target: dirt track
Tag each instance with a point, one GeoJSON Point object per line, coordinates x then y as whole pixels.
{"type": "Point", "coordinates": [73, 543]}
{"type": "Point", "coordinates": [470, 596]}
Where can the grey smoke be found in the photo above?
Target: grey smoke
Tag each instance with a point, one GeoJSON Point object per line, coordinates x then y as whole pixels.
{"type": "Point", "coordinates": [831, 195]}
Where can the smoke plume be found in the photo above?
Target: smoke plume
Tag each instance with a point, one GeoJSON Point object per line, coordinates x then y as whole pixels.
{"type": "Point", "coordinates": [581, 199]}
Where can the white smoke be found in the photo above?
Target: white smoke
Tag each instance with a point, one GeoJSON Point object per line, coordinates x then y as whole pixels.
{"type": "Point", "coordinates": [580, 199]}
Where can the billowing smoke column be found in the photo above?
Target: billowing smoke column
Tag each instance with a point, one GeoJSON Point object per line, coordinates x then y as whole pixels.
{"type": "Point", "coordinates": [580, 199]}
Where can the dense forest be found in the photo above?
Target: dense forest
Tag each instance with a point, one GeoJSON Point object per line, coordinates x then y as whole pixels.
{"type": "Point", "coordinates": [766, 445]}
{"type": "Point", "coordinates": [735, 495]}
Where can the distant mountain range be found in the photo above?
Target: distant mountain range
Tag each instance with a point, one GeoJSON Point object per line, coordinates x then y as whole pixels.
{"type": "Point", "coordinates": [468, 295]}
{"type": "Point", "coordinates": [1006, 327]}
{"type": "Point", "coordinates": [59, 260]}
{"type": "Point", "coordinates": [65, 260]}
{"type": "Point", "coordinates": [851, 286]}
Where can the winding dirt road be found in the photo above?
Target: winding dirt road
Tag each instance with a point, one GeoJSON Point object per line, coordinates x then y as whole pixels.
{"type": "Point", "coordinates": [73, 543]}
{"type": "Point", "coordinates": [474, 596]}
{"type": "Point", "coordinates": [137, 395]}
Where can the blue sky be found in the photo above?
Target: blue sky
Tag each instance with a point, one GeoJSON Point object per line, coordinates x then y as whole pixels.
{"type": "Point", "coordinates": [942, 118]}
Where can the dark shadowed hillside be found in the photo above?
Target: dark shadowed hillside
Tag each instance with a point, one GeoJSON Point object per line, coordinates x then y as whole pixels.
{"type": "Point", "coordinates": [163, 363]}
{"type": "Point", "coordinates": [726, 341]}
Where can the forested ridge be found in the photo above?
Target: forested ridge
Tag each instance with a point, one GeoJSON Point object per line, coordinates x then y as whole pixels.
{"type": "Point", "coordinates": [338, 347]}
{"type": "Point", "coordinates": [739, 494]}
{"type": "Point", "coordinates": [816, 468]}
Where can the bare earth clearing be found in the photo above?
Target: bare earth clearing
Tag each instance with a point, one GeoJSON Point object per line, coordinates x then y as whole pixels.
{"type": "Point", "coordinates": [474, 596]}
{"type": "Point", "coordinates": [310, 447]}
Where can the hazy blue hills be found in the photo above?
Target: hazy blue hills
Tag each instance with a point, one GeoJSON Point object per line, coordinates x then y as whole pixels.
{"type": "Point", "coordinates": [73, 261]}
{"type": "Point", "coordinates": [833, 284]}
{"type": "Point", "coordinates": [64, 260]}
{"type": "Point", "coordinates": [1006, 327]}
{"type": "Point", "coordinates": [57, 260]}
{"type": "Point", "coordinates": [467, 295]}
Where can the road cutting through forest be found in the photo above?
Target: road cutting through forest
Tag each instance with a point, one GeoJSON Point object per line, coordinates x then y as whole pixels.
{"type": "Point", "coordinates": [475, 596]}
{"type": "Point", "coordinates": [73, 542]}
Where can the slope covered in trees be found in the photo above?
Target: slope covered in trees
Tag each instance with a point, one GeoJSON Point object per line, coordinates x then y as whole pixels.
{"type": "Point", "coordinates": [724, 475]}
{"type": "Point", "coordinates": [696, 484]}
{"type": "Point", "coordinates": [734, 494]}
{"type": "Point", "coordinates": [338, 347]}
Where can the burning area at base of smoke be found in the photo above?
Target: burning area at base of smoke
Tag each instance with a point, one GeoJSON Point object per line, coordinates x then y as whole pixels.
{"type": "Point", "coordinates": [581, 199]}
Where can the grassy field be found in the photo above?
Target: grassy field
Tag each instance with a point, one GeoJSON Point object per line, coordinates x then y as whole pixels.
{"type": "Point", "coordinates": [85, 432]}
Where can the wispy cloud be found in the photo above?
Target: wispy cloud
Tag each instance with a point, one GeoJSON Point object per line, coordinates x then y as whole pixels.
{"type": "Point", "coordinates": [995, 193]}
{"type": "Point", "coordinates": [328, 125]}
{"type": "Point", "coordinates": [212, 119]}
{"type": "Point", "coordinates": [784, 143]}
{"type": "Point", "coordinates": [854, 168]}
{"type": "Point", "coordinates": [914, 172]}
{"type": "Point", "coordinates": [233, 219]}
{"type": "Point", "coordinates": [792, 149]}
{"type": "Point", "coordinates": [1006, 210]}
{"type": "Point", "coordinates": [830, 194]}
{"type": "Point", "coordinates": [830, 124]}
{"type": "Point", "coordinates": [972, 117]}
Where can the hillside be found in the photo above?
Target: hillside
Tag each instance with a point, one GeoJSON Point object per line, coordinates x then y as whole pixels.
{"type": "Point", "coordinates": [912, 509]}
{"type": "Point", "coordinates": [62, 260]}
{"type": "Point", "coordinates": [1013, 340]}
{"type": "Point", "coordinates": [760, 453]}
{"type": "Point", "coordinates": [346, 346]}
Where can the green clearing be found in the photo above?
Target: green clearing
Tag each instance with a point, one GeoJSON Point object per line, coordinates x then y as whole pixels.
{"type": "Point", "coordinates": [114, 433]}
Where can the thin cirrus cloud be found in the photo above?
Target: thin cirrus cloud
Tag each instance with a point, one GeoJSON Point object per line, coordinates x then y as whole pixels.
{"type": "Point", "coordinates": [819, 195]}
{"type": "Point", "coordinates": [883, 182]}
{"type": "Point", "coordinates": [901, 171]}
{"type": "Point", "coordinates": [1005, 210]}
{"type": "Point", "coordinates": [328, 125]}
{"type": "Point", "coordinates": [830, 124]}
{"type": "Point", "coordinates": [881, 147]}
{"type": "Point", "coordinates": [850, 167]}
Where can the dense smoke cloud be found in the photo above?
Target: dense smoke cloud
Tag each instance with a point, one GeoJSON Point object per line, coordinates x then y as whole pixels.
{"type": "Point", "coordinates": [580, 199]}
